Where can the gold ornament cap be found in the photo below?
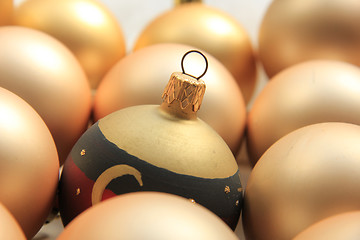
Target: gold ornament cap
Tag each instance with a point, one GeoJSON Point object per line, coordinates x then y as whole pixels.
{"type": "Point", "coordinates": [184, 93]}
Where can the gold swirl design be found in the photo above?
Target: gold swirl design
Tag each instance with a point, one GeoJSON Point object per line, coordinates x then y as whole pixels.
{"type": "Point", "coordinates": [108, 175]}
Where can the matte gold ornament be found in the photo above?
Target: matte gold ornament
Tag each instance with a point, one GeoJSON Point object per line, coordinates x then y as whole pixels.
{"type": "Point", "coordinates": [42, 71]}
{"type": "Point", "coordinates": [6, 11]}
{"type": "Point", "coordinates": [140, 77]}
{"type": "Point", "coordinates": [210, 30]}
{"type": "Point", "coordinates": [306, 93]}
{"type": "Point", "coordinates": [144, 215]}
{"type": "Point", "coordinates": [162, 148]}
{"type": "Point", "coordinates": [308, 175]}
{"type": "Point", "coordinates": [9, 227]}
{"type": "Point", "coordinates": [341, 226]}
{"type": "Point", "coordinates": [29, 165]}
{"type": "Point", "coordinates": [298, 30]}
{"type": "Point", "coordinates": [86, 27]}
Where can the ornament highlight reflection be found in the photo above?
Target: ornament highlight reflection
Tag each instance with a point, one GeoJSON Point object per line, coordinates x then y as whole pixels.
{"type": "Point", "coordinates": [86, 27]}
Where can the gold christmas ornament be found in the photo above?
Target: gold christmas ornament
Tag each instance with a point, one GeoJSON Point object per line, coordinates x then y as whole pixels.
{"type": "Point", "coordinates": [29, 166]}
{"type": "Point", "coordinates": [306, 93]}
{"type": "Point", "coordinates": [162, 148]}
{"type": "Point", "coordinates": [86, 27]}
{"type": "Point", "coordinates": [210, 30]}
{"type": "Point", "coordinates": [298, 30]}
{"type": "Point", "coordinates": [343, 226]}
{"type": "Point", "coordinates": [6, 11]}
{"type": "Point", "coordinates": [9, 227]}
{"type": "Point", "coordinates": [140, 77]}
{"type": "Point", "coordinates": [138, 216]}
{"type": "Point", "coordinates": [308, 175]}
{"type": "Point", "coordinates": [42, 71]}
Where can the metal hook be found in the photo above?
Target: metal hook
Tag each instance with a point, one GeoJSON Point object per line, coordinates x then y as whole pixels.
{"type": "Point", "coordinates": [206, 64]}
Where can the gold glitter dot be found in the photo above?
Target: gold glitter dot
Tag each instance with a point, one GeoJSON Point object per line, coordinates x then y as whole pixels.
{"type": "Point", "coordinates": [82, 153]}
{"type": "Point", "coordinates": [240, 189]}
{"type": "Point", "coordinates": [237, 203]}
{"type": "Point", "coordinates": [77, 191]}
{"type": "Point", "coordinates": [227, 189]}
{"type": "Point", "coordinates": [192, 200]}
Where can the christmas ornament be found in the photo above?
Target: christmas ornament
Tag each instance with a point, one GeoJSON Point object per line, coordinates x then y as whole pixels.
{"type": "Point", "coordinates": [162, 148]}
{"type": "Point", "coordinates": [295, 31]}
{"type": "Point", "coordinates": [308, 175]}
{"type": "Point", "coordinates": [341, 226]}
{"type": "Point", "coordinates": [9, 227]}
{"type": "Point", "coordinates": [306, 93]}
{"type": "Point", "coordinates": [28, 163]}
{"type": "Point", "coordinates": [145, 215]}
{"type": "Point", "coordinates": [140, 77]}
{"type": "Point", "coordinates": [210, 30]}
{"type": "Point", "coordinates": [86, 27]}
{"type": "Point", "coordinates": [45, 73]}
{"type": "Point", "coordinates": [6, 10]}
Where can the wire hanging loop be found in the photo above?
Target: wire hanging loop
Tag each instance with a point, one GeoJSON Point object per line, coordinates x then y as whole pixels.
{"type": "Point", "coordinates": [206, 63]}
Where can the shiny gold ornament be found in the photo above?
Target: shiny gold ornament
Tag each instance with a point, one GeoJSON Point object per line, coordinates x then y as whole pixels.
{"type": "Point", "coordinates": [140, 77]}
{"type": "Point", "coordinates": [6, 11]}
{"type": "Point", "coordinates": [211, 30]}
{"type": "Point", "coordinates": [298, 30]}
{"type": "Point", "coordinates": [310, 92]}
{"type": "Point", "coordinates": [41, 70]}
{"type": "Point", "coordinates": [162, 148]}
{"type": "Point", "coordinates": [343, 226]}
{"type": "Point", "coordinates": [29, 166]}
{"type": "Point", "coordinates": [86, 27]}
{"type": "Point", "coordinates": [308, 175]}
{"type": "Point", "coordinates": [9, 227]}
{"type": "Point", "coordinates": [138, 216]}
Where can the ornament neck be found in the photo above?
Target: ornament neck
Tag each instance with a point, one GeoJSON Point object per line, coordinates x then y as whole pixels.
{"type": "Point", "coordinates": [179, 2]}
{"type": "Point", "coordinates": [174, 109]}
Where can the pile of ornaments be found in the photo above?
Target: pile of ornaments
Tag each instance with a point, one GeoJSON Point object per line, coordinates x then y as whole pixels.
{"type": "Point", "coordinates": [142, 144]}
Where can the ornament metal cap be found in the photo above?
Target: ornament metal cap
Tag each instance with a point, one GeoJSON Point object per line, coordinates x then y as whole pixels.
{"type": "Point", "coordinates": [178, 2]}
{"type": "Point", "coordinates": [184, 93]}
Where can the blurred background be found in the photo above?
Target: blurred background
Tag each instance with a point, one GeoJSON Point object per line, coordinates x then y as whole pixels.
{"type": "Point", "coordinates": [135, 15]}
